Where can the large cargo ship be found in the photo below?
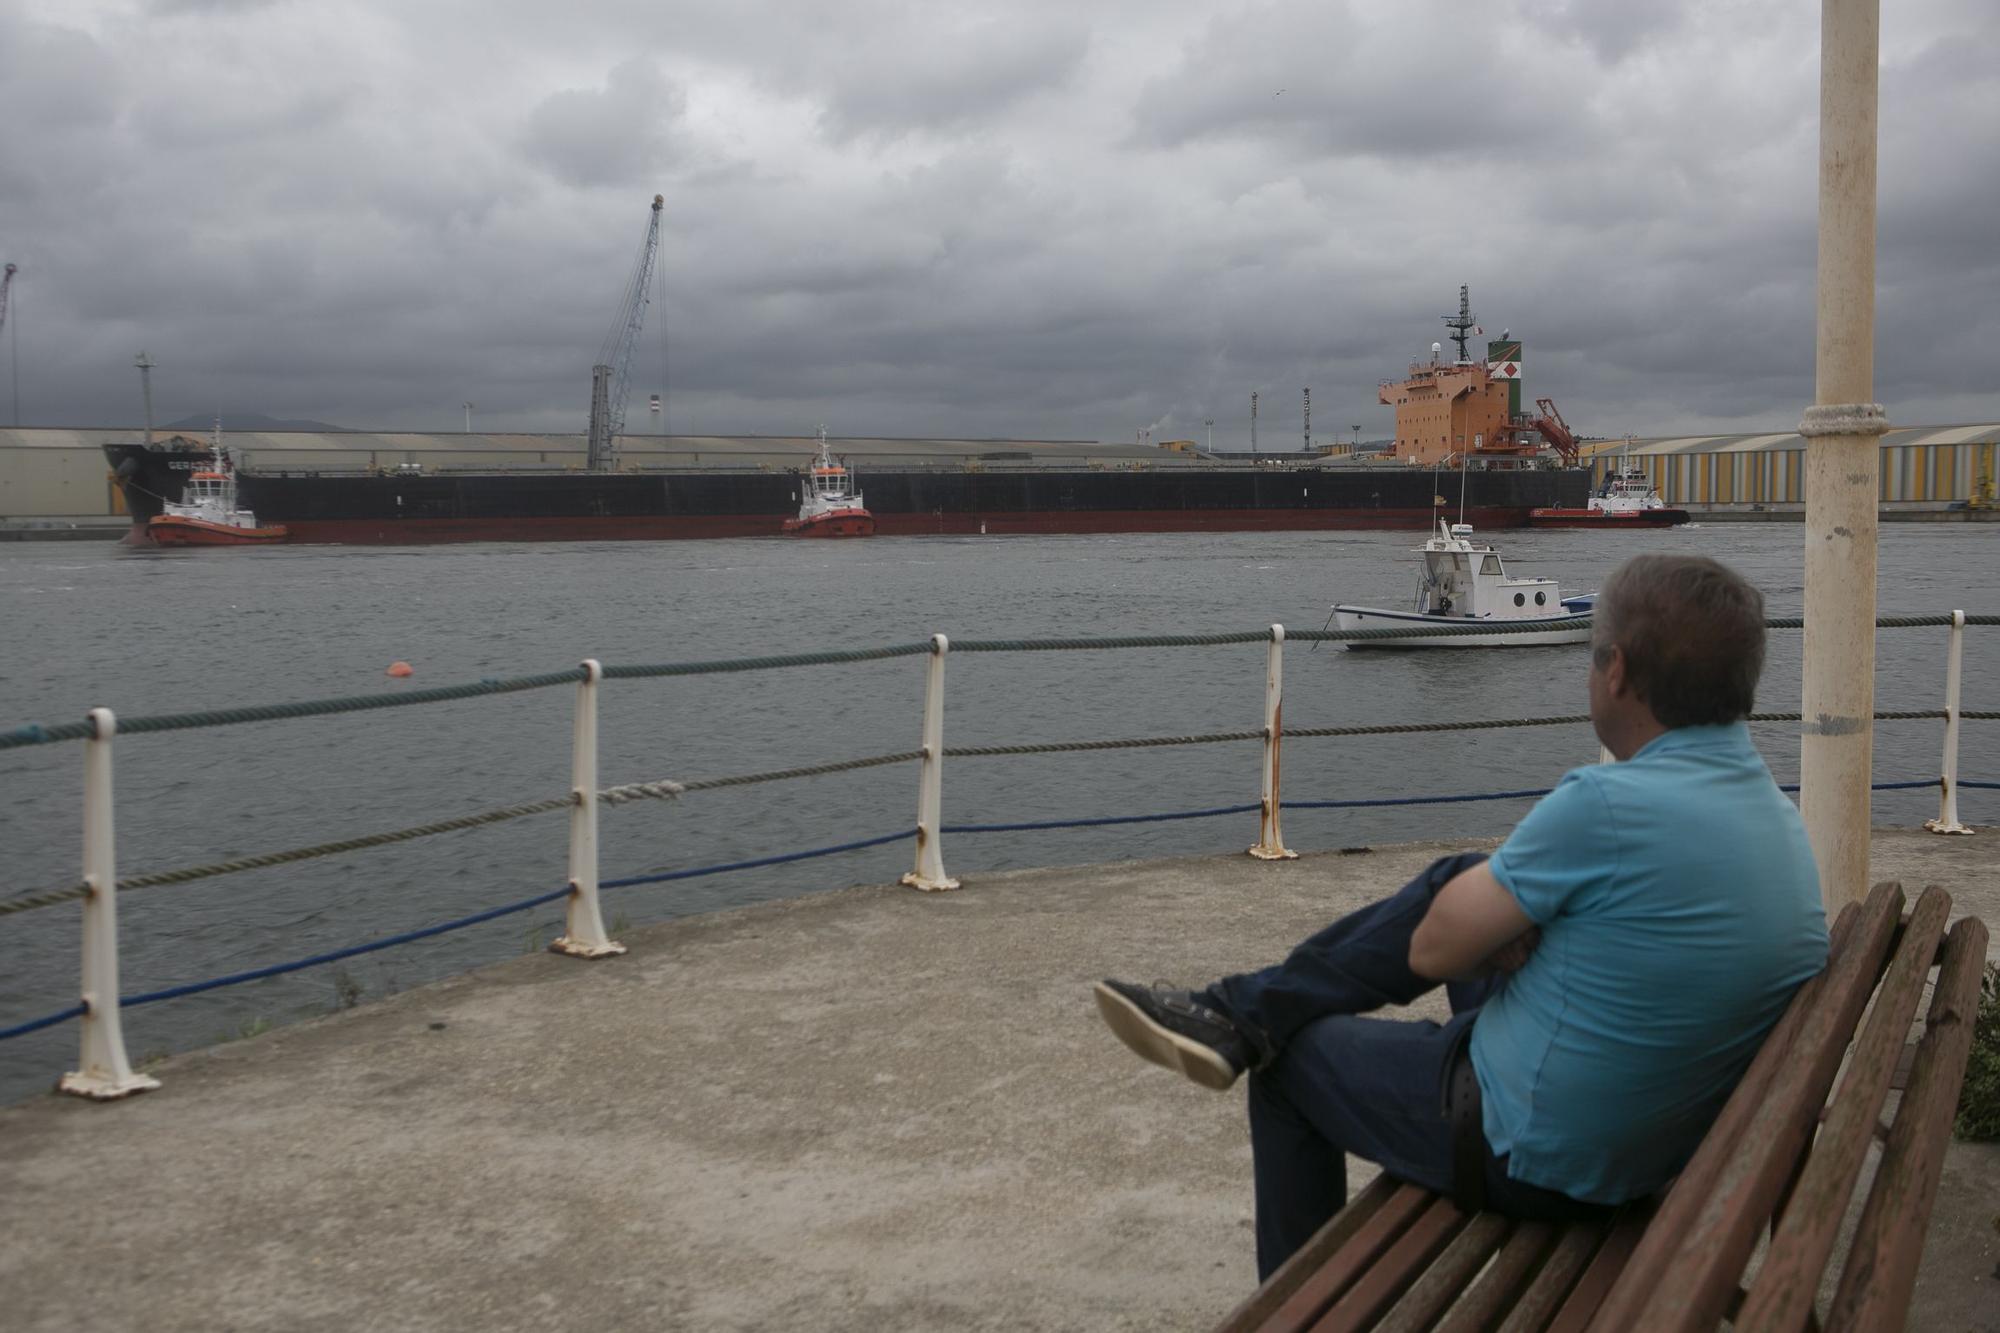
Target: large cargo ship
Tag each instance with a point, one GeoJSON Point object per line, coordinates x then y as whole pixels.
{"type": "Point", "coordinates": [1462, 440]}
{"type": "Point", "coordinates": [400, 508]}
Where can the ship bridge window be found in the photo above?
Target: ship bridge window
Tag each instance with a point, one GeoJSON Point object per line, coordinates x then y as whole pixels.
{"type": "Point", "coordinates": [1489, 564]}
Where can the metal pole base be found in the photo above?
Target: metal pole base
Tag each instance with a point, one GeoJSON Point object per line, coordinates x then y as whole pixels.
{"type": "Point", "coordinates": [1951, 826]}
{"type": "Point", "coordinates": [105, 1087]}
{"type": "Point", "coordinates": [928, 885]}
{"type": "Point", "coordinates": [578, 949]}
{"type": "Point", "coordinates": [1277, 853]}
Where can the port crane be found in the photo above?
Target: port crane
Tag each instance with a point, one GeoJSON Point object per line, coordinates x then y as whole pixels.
{"type": "Point", "coordinates": [612, 374]}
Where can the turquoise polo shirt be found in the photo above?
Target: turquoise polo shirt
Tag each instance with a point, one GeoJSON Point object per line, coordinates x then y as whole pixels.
{"type": "Point", "coordinates": [1679, 908]}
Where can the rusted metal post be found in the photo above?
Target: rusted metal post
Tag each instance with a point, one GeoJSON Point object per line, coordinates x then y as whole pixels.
{"type": "Point", "coordinates": [929, 874]}
{"type": "Point", "coordinates": [103, 1072]}
{"type": "Point", "coordinates": [583, 934]}
{"type": "Point", "coordinates": [1843, 463]}
{"type": "Point", "coordinates": [1270, 841]}
{"type": "Point", "coordinates": [1947, 820]}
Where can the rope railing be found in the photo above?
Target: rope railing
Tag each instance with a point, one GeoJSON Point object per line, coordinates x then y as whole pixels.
{"type": "Point", "coordinates": [40, 733]}
{"type": "Point", "coordinates": [614, 796]}
{"type": "Point", "coordinates": [105, 1073]}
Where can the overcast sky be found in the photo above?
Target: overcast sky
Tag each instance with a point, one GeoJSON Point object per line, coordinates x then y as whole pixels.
{"type": "Point", "coordinates": [922, 217]}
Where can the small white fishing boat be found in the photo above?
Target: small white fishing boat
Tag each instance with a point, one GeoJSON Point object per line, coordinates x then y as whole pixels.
{"type": "Point", "coordinates": [1465, 583]}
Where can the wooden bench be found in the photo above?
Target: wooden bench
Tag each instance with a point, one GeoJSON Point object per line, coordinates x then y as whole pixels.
{"type": "Point", "coordinates": [1780, 1161]}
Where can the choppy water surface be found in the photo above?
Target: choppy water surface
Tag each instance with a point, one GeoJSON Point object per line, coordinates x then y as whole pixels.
{"type": "Point", "coordinates": [165, 631]}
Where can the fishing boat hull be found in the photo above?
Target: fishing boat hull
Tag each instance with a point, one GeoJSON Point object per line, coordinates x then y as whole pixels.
{"type": "Point", "coordinates": [1612, 519]}
{"type": "Point", "coordinates": [1572, 626]}
{"type": "Point", "coordinates": [837, 523]}
{"type": "Point", "coordinates": [174, 530]}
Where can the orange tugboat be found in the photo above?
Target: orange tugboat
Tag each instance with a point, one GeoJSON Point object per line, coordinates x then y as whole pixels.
{"type": "Point", "coordinates": [828, 507]}
{"type": "Point", "coordinates": [207, 513]}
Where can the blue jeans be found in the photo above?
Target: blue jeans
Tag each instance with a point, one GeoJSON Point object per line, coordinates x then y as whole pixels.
{"type": "Point", "coordinates": [1328, 1082]}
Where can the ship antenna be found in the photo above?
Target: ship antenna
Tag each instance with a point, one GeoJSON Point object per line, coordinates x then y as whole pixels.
{"type": "Point", "coordinates": [1464, 321]}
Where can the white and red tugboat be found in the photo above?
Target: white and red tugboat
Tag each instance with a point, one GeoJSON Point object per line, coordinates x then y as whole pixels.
{"type": "Point", "coordinates": [1626, 500]}
{"type": "Point", "coordinates": [828, 506]}
{"type": "Point", "coordinates": [207, 513]}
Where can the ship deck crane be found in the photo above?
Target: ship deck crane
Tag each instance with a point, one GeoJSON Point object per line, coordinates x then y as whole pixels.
{"type": "Point", "coordinates": [612, 374]}
{"type": "Point", "coordinates": [1556, 431]}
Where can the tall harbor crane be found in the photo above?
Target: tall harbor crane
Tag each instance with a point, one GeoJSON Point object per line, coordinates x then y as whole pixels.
{"type": "Point", "coordinates": [613, 371]}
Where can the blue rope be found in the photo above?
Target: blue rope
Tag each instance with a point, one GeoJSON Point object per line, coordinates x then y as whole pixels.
{"type": "Point", "coordinates": [782, 859]}
{"type": "Point", "coordinates": [279, 969]}
{"type": "Point", "coordinates": [45, 1021]}
{"type": "Point", "coordinates": [1096, 823]}
{"type": "Point", "coordinates": [1415, 800]}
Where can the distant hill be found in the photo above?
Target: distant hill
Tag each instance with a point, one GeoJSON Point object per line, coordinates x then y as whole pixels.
{"type": "Point", "coordinates": [247, 421]}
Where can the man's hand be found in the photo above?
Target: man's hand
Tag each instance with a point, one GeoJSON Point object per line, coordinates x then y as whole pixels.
{"type": "Point", "coordinates": [1512, 956]}
{"type": "Point", "coordinates": [1472, 921]}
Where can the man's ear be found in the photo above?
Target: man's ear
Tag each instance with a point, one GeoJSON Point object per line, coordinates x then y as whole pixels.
{"type": "Point", "coordinates": [1614, 673]}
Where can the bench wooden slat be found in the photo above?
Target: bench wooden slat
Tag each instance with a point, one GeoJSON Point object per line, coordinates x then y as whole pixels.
{"type": "Point", "coordinates": [1706, 1256]}
{"type": "Point", "coordinates": [1597, 1280]}
{"type": "Point", "coordinates": [1881, 1268]}
{"type": "Point", "coordinates": [1538, 1304]}
{"type": "Point", "coordinates": [1399, 1266]}
{"type": "Point", "coordinates": [1448, 1275]}
{"type": "Point", "coordinates": [1324, 1285]}
{"type": "Point", "coordinates": [1263, 1302]}
{"type": "Point", "coordinates": [1790, 1275]}
{"type": "Point", "coordinates": [1477, 1310]}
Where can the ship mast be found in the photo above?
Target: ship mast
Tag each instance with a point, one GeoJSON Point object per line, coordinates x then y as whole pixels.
{"type": "Point", "coordinates": [1462, 323]}
{"type": "Point", "coordinates": [613, 371]}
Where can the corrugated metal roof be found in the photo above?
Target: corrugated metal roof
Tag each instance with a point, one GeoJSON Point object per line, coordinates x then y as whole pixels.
{"type": "Point", "coordinates": [1986, 433]}
{"type": "Point", "coordinates": [708, 450]}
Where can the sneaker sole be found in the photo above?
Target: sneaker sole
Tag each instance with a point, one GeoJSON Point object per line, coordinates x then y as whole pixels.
{"type": "Point", "coordinates": [1163, 1046]}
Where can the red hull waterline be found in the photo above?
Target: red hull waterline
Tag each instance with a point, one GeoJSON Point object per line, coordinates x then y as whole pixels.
{"type": "Point", "coordinates": [1597, 518]}
{"type": "Point", "coordinates": [841, 523]}
{"type": "Point", "coordinates": [169, 531]}
{"type": "Point", "coordinates": [424, 531]}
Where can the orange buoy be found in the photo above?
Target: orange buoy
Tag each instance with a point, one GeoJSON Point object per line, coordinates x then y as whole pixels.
{"type": "Point", "coordinates": [400, 669]}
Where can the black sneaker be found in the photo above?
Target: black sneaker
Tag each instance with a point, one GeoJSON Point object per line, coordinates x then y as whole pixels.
{"type": "Point", "coordinates": [1175, 1030]}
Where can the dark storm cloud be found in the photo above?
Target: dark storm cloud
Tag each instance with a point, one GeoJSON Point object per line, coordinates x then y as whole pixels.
{"type": "Point", "coordinates": [931, 218]}
{"type": "Point", "coordinates": [608, 135]}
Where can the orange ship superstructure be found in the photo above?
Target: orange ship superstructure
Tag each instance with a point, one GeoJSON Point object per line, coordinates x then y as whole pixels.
{"type": "Point", "coordinates": [1450, 413]}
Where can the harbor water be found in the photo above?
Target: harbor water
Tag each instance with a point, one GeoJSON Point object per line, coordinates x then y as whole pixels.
{"type": "Point", "coordinates": [152, 632]}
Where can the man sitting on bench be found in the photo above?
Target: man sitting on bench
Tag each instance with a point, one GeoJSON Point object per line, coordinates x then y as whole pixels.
{"type": "Point", "coordinates": [1611, 969]}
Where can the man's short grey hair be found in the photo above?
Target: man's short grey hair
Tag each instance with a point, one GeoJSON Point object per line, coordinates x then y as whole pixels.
{"type": "Point", "coordinates": [1692, 631]}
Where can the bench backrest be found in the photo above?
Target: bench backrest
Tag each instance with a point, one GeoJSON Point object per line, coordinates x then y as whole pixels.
{"type": "Point", "coordinates": [1761, 1164]}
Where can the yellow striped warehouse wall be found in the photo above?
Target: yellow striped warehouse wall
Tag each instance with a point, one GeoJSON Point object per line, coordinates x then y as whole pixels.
{"type": "Point", "coordinates": [1927, 463]}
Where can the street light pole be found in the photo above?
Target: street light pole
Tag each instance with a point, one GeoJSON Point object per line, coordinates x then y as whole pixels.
{"type": "Point", "coordinates": [468, 418]}
{"type": "Point", "coordinates": [1210, 423]}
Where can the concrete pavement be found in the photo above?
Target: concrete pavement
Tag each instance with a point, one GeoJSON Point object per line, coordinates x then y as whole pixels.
{"type": "Point", "coordinates": [867, 1109]}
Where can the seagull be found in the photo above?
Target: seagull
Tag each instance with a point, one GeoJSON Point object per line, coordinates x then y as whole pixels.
{"type": "Point", "coordinates": [1279, 93]}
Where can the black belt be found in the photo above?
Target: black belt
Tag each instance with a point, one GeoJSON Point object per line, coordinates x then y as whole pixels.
{"type": "Point", "coordinates": [1469, 1152]}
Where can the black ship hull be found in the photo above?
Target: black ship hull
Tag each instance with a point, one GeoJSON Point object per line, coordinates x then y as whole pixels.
{"type": "Point", "coordinates": [399, 509]}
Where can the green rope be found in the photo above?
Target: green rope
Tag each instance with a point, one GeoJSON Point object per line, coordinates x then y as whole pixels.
{"type": "Point", "coordinates": [765, 663]}
{"type": "Point", "coordinates": [1076, 747]}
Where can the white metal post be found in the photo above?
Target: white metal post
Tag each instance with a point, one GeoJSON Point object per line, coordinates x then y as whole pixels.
{"type": "Point", "coordinates": [929, 874]}
{"type": "Point", "coordinates": [583, 931]}
{"type": "Point", "coordinates": [104, 1072]}
{"type": "Point", "coordinates": [1843, 463]}
{"type": "Point", "coordinates": [1270, 841]}
{"type": "Point", "coordinates": [1947, 820]}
